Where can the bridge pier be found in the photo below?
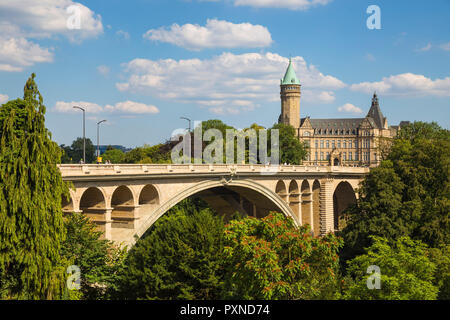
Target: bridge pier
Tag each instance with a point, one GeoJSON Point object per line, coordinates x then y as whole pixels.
{"type": "Point", "coordinates": [326, 206]}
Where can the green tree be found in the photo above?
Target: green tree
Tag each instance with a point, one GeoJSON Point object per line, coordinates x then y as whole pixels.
{"type": "Point", "coordinates": [292, 151]}
{"type": "Point", "coordinates": [441, 258]}
{"type": "Point", "coordinates": [406, 272]}
{"type": "Point", "coordinates": [179, 258]}
{"type": "Point", "coordinates": [77, 151]}
{"type": "Point", "coordinates": [271, 258]}
{"type": "Point", "coordinates": [66, 156]}
{"type": "Point", "coordinates": [378, 212]}
{"type": "Point", "coordinates": [31, 189]}
{"type": "Point", "coordinates": [113, 155]}
{"type": "Point", "coordinates": [100, 261]}
{"type": "Point", "coordinates": [408, 195]}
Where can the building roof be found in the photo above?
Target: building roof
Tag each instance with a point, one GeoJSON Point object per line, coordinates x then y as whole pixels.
{"type": "Point", "coordinates": [290, 77]}
{"type": "Point", "coordinates": [349, 123]}
{"type": "Point", "coordinates": [375, 112]}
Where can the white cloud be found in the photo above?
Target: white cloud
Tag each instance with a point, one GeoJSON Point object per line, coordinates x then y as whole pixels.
{"type": "Point", "coordinates": [22, 21]}
{"type": "Point", "coordinates": [3, 98]}
{"type": "Point", "coordinates": [46, 18]}
{"type": "Point", "coordinates": [350, 108]}
{"type": "Point", "coordinates": [285, 4]}
{"type": "Point", "coordinates": [445, 46]}
{"type": "Point", "coordinates": [126, 107]}
{"type": "Point", "coordinates": [123, 34]}
{"type": "Point", "coordinates": [225, 80]}
{"type": "Point", "coordinates": [406, 84]}
{"type": "Point", "coordinates": [103, 70]}
{"type": "Point", "coordinates": [425, 49]}
{"type": "Point", "coordinates": [370, 57]}
{"type": "Point", "coordinates": [216, 34]}
{"type": "Point", "coordinates": [132, 107]}
{"type": "Point", "coordinates": [18, 53]}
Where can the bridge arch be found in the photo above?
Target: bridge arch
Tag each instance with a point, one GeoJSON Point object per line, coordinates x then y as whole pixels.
{"type": "Point", "coordinates": [316, 208]}
{"type": "Point", "coordinates": [280, 190]}
{"type": "Point", "coordinates": [344, 195]}
{"type": "Point", "coordinates": [247, 186]}
{"type": "Point", "coordinates": [93, 198]}
{"type": "Point", "coordinates": [306, 203]}
{"type": "Point", "coordinates": [122, 195]}
{"type": "Point", "coordinates": [294, 199]}
{"type": "Point", "coordinates": [149, 195]}
{"type": "Point", "coordinates": [123, 206]}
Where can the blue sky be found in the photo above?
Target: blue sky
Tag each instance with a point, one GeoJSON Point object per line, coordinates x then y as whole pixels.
{"type": "Point", "coordinates": [143, 64]}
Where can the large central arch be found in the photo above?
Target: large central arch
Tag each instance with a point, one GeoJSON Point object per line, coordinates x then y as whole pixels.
{"type": "Point", "coordinates": [241, 186]}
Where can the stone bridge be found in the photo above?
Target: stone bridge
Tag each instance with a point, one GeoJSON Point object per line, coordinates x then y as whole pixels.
{"type": "Point", "coordinates": [125, 200]}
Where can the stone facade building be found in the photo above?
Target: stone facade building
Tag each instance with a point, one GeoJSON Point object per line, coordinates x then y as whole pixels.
{"type": "Point", "coordinates": [348, 141]}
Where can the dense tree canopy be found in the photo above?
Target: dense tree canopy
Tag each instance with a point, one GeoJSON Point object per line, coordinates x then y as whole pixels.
{"type": "Point", "coordinates": [406, 273]}
{"type": "Point", "coordinates": [408, 195]}
{"type": "Point", "coordinates": [113, 156]}
{"type": "Point", "coordinates": [178, 259]}
{"type": "Point", "coordinates": [100, 261]}
{"type": "Point", "coordinates": [270, 258]}
{"type": "Point", "coordinates": [292, 151]}
{"type": "Point", "coordinates": [74, 153]}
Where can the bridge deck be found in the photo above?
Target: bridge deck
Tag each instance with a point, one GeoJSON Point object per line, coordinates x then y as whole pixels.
{"type": "Point", "coordinates": [74, 171]}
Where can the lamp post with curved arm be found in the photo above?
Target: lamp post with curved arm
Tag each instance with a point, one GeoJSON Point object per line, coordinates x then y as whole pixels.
{"type": "Point", "coordinates": [98, 139]}
{"type": "Point", "coordinates": [184, 118]}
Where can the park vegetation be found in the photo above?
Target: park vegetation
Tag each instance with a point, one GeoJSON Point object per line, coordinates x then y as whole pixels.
{"type": "Point", "coordinates": [400, 223]}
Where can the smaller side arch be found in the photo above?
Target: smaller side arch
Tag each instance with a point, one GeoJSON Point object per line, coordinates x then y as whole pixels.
{"type": "Point", "coordinates": [93, 198]}
{"type": "Point", "coordinates": [294, 199]}
{"type": "Point", "coordinates": [123, 208]}
{"type": "Point", "coordinates": [316, 207]}
{"type": "Point", "coordinates": [280, 190]}
{"type": "Point", "coordinates": [306, 203]}
{"type": "Point", "coordinates": [343, 197]}
{"type": "Point", "coordinates": [149, 199]}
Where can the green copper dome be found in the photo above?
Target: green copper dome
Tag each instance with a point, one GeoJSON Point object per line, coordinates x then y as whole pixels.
{"type": "Point", "coordinates": [290, 76]}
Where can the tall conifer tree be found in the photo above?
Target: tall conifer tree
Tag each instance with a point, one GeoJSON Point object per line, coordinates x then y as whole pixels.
{"type": "Point", "coordinates": [31, 189]}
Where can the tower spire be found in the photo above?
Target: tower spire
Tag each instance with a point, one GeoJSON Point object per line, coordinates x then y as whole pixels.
{"type": "Point", "coordinates": [290, 77]}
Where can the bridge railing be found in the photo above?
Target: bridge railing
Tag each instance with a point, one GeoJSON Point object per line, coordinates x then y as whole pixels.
{"type": "Point", "coordinates": [68, 170]}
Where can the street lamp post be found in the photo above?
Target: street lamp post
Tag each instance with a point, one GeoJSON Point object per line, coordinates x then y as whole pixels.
{"type": "Point", "coordinates": [84, 133]}
{"type": "Point", "coordinates": [189, 122]}
{"type": "Point", "coordinates": [98, 139]}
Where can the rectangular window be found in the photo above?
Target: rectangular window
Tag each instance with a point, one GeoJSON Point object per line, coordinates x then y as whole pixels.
{"type": "Point", "coordinates": [356, 144]}
{"type": "Point", "coordinates": [339, 144]}
{"type": "Point", "coordinates": [345, 144]}
{"type": "Point", "coordinates": [345, 156]}
{"type": "Point", "coordinates": [328, 144]}
{"type": "Point", "coordinates": [332, 144]}
{"type": "Point", "coordinates": [321, 144]}
{"type": "Point", "coordinates": [350, 156]}
{"type": "Point", "coordinates": [317, 144]}
{"type": "Point", "coordinates": [328, 156]}
{"type": "Point", "coordinates": [321, 156]}
{"type": "Point", "coordinates": [350, 144]}
{"type": "Point", "coordinates": [317, 156]}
